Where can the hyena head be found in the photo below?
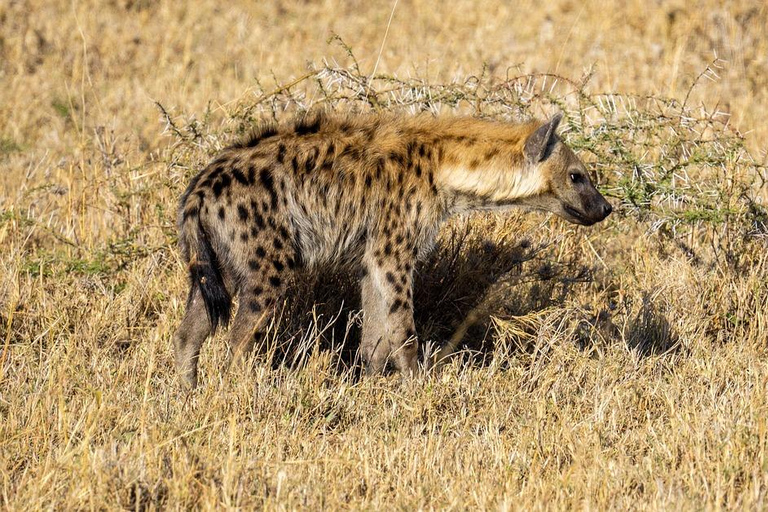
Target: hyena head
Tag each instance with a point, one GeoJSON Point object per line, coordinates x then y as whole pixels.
{"type": "Point", "coordinates": [566, 190]}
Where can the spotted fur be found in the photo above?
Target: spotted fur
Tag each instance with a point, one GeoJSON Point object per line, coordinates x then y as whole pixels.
{"type": "Point", "coordinates": [370, 190]}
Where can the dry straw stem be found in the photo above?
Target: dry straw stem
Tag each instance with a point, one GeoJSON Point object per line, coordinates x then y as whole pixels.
{"type": "Point", "coordinates": [618, 367]}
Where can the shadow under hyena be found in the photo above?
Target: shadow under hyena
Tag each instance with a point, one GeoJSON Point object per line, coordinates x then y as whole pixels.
{"type": "Point", "coordinates": [466, 269]}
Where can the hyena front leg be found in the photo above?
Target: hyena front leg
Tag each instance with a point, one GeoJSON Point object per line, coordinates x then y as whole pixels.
{"type": "Point", "coordinates": [388, 328]}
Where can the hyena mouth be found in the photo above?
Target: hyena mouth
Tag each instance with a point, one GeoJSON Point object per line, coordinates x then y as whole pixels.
{"type": "Point", "coordinates": [579, 217]}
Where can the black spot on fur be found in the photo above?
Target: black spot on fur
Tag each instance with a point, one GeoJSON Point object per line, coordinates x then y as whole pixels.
{"type": "Point", "coordinates": [221, 185]}
{"type": "Point", "coordinates": [309, 124]}
{"type": "Point", "coordinates": [257, 290]}
{"type": "Point", "coordinates": [190, 212]}
{"type": "Point", "coordinates": [242, 212]}
{"type": "Point", "coordinates": [217, 188]}
{"type": "Point", "coordinates": [278, 244]}
{"type": "Point", "coordinates": [265, 176]}
{"type": "Point", "coordinates": [284, 233]}
{"type": "Point", "coordinates": [410, 149]}
{"type": "Point", "coordinates": [217, 170]}
{"type": "Point", "coordinates": [388, 248]}
{"type": "Point", "coordinates": [280, 153]}
{"type": "Point", "coordinates": [274, 281]}
{"type": "Point", "coordinates": [222, 213]}
{"type": "Point", "coordinates": [395, 306]}
{"type": "Point", "coordinates": [259, 220]}
{"type": "Point", "coordinates": [244, 236]}
{"type": "Point", "coordinates": [260, 252]}
{"type": "Point", "coordinates": [311, 161]}
{"type": "Point", "coordinates": [390, 277]}
{"type": "Point", "coordinates": [254, 306]}
{"type": "Point", "coordinates": [397, 158]}
{"type": "Point", "coordinates": [278, 265]}
{"type": "Point", "coordinates": [267, 181]}
{"type": "Point", "coordinates": [240, 177]}
{"type": "Point", "coordinates": [370, 132]}
{"type": "Point", "coordinates": [254, 265]}
{"type": "Point", "coordinates": [351, 152]}
{"type": "Point", "coordinates": [291, 263]}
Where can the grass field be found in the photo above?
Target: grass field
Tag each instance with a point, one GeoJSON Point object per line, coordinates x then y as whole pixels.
{"type": "Point", "coordinates": [623, 366]}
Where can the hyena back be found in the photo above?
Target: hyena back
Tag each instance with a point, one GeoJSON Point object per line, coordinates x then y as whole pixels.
{"type": "Point", "coordinates": [368, 190]}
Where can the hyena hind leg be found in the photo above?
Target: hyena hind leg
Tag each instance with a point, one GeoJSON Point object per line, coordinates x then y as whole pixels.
{"type": "Point", "coordinates": [259, 293]}
{"type": "Point", "coordinates": [194, 329]}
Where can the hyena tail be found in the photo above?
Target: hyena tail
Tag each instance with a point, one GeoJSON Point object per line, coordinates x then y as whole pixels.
{"type": "Point", "coordinates": [204, 267]}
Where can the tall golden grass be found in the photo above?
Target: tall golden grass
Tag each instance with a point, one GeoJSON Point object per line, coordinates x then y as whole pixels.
{"type": "Point", "coordinates": [622, 366]}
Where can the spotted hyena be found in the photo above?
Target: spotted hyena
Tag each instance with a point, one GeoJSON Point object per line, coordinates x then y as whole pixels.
{"type": "Point", "coordinates": [371, 190]}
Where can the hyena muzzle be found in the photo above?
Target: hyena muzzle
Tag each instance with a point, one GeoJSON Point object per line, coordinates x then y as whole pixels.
{"type": "Point", "coordinates": [371, 190]}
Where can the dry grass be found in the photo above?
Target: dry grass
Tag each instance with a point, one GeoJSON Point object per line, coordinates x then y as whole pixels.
{"type": "Point", "coordinates": [622, 366]}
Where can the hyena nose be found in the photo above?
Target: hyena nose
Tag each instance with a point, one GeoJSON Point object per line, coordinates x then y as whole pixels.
{"type": "Point", "coordinates": [607, 209]}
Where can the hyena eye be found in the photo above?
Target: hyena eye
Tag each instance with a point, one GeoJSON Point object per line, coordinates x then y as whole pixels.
{"type": "Point", "coordinates": [577, 177]}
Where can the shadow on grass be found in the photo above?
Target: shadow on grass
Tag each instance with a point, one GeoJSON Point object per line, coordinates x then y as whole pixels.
{"type": "Point", "coordinates": [649, 332]}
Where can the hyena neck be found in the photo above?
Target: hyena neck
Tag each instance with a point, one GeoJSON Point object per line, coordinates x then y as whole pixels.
{"type": "Point", "coordinates": [484, 167]}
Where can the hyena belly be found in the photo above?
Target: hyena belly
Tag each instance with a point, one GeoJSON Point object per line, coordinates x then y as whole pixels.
{"type": "Point", "coordinates": [329, 219]}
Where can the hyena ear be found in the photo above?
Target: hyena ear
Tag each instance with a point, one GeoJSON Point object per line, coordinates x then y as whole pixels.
{"type": "Point", "coordinates": [541, 140]}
